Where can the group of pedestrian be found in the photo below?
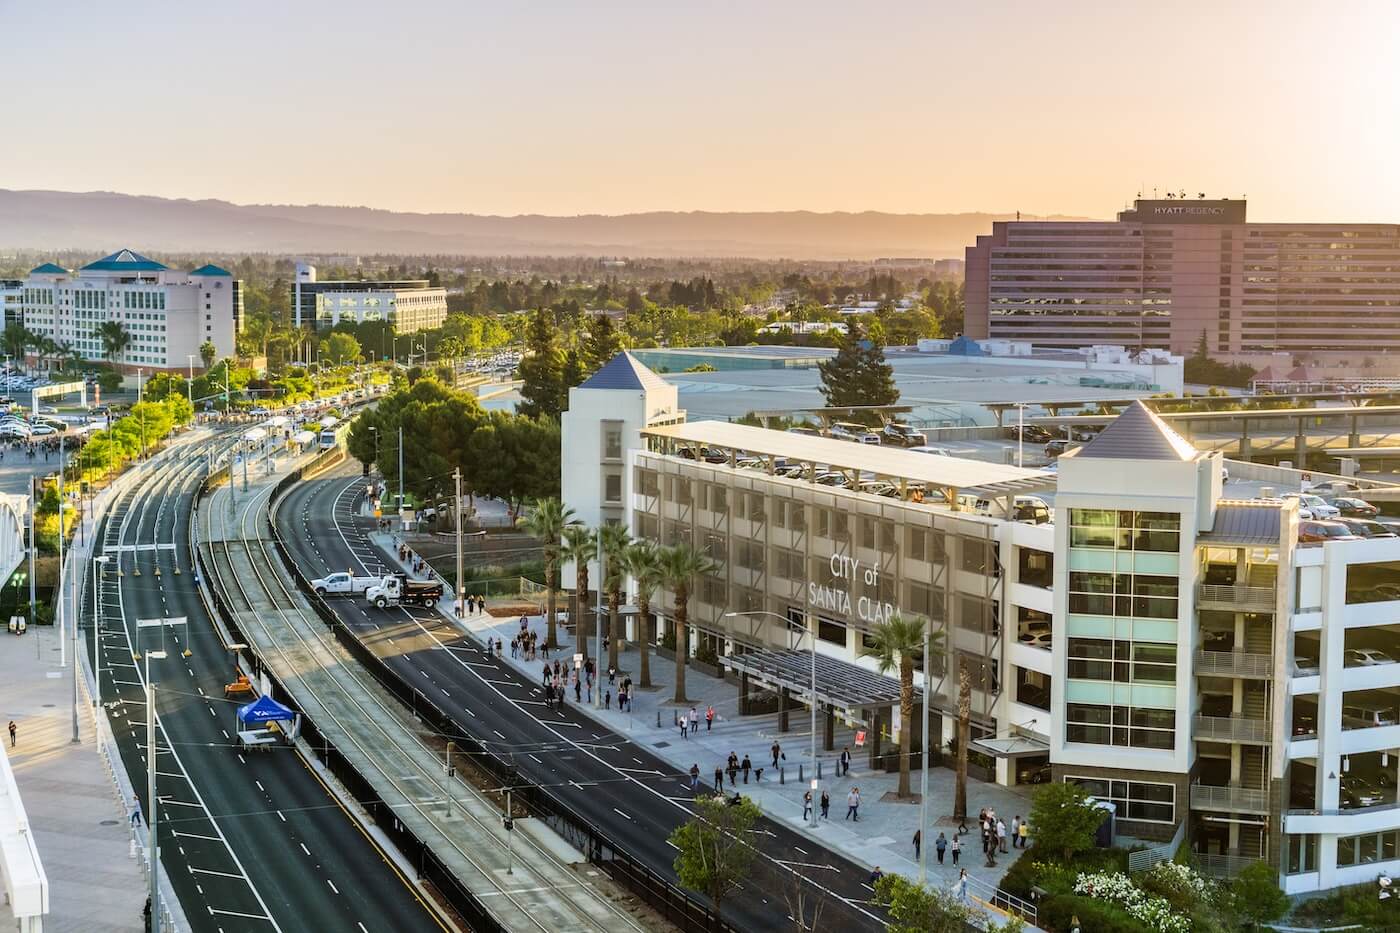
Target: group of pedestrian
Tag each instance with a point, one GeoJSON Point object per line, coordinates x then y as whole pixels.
{"type": "Point", "coordinates": [690, 722]}
{"type": "Point", "coordinates": [825, 804]}
{"type": "Point", "coordinates": [734, 767]}
{"type": "Point", "coordinates": [526, 645]}
{"type": "Point", "coordinates": [475, 604]}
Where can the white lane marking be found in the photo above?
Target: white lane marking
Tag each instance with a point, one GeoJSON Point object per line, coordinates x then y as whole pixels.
{"type": "Point", "coordinates": [304, 848]}
{"type": "Point", "coordinates": [333, 887]}
{"type": "Point", "coordinates": [620, 813]}
{"type": "Point", "coordinates": [210, 871]}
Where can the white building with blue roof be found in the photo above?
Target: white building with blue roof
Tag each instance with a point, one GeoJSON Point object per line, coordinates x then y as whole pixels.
{"type": "Point", "coordinates": [167, 314]}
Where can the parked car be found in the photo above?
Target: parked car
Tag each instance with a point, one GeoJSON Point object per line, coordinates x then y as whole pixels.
{"type": "Point", "coordinates": [1035, 634]}
{"type": "Point", "coordinates": [1365, 657]}
{"type": "Point", "coordinates": [1032, 433]}
{"type": "Point", "coordinates": [832, 478]}
{"type": "Point", "coordinates": [1057, 447]}
{"type": "Point", "coordinates": [1316, 532]}
{"type": "Point", "coordinates": [1034, 773]}
{"type": "Point", "coordinates": [850, 431]}
{"type": "Point", "coordinates": [1333, 487]}
{"type": "Point", "coordinates": [1367, 528]}
{"type": "Point", "coordinates": [805, 431]}
{"type": "Point", "coordinates": [1032, 509]}
{"type": "Point", "coordinates": [1355, 508]}
{"type": "Point", "coordinates": [1359, 792]}
{"type": "Point", "coordinates": [934, 451]}
{"type": "Point", "coordinates": [1366, 715]}
{"type": "Point", "coordinates": [901, 435]}
{"type": "Point", "coordinates": [1316, 506]}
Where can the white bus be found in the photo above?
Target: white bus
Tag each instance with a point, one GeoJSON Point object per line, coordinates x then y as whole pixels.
{"type": "Point", "coordinates": [328, 432]}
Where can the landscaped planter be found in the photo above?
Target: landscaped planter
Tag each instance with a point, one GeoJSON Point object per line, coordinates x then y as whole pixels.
{"type": "Point", "coordinates": [691, 664]}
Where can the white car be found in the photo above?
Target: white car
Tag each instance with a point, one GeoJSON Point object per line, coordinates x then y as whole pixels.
{"type": "Point", "coordinates": [1314, 505]}
{"type": "Point", "coordinates": [1366, 657]}
{"type": "Point", "coordinates": [40, 430]}
{"type": "Point", "coordinates": [935, 451]}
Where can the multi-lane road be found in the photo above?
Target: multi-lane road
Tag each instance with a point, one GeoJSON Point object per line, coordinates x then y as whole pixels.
{"type": "Point", "coordinates": [619, 786]}
{"type": "Point", "coordinates": [249, 842]}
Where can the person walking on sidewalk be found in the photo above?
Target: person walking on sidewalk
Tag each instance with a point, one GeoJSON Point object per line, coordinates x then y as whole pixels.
{"type": "Point", "coordinates": [733, 767]}
{"type": "Point", "coordinates": [1023, 833]}
{"type": "Point", "coordinates": [719, 779]}
{"type": "Point", "coordinates": [1001, 835]}
{"type": "Point", "coordinates": [826, 805]}
{"type": "Point", "coordinates": [956, 847]}
{"type": "Point", "coordinates": [136, 811]}
{"type": "Point", "coordinates": [695, 776]}
{"type": "Point", "coordinates": [845, 761]}
{"type": "Point", "coordinates": [13, 730]}
{"type": "Point", "coordinates": [694, 720]}
{"type": "Point", "coordinates": [940, 845]}
{"type": "Point", "coordinates": [960, 887]}
{"type": "Point", "coordinates": [709, 717]}
{"type": "Point", "coordinates": [853, 804]}
{"type": "Point", "coordinates": [918, 842]}
{"type": "Point", "coordinates": [746, 766]}
{"type": "Point", "coordinates": [806, 806]}
{"type": "Point", "coordinates": [776, 750]}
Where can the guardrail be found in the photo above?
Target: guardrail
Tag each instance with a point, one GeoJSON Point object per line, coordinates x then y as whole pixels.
{"type": "Point", "coordinates": [1252, 597]}
{"type": "Point", "coordinates": [1143, 859]}
{"type": "Point", "coordinates": [1233, 728]}
{"type": "Point", "coordinates": [1234, 663]}
{"type": "Point", "coordinates": [673, 903]}
{"type": "Point", "coordinates": [1237, 799]}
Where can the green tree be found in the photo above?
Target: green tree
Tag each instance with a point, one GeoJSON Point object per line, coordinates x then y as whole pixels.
{"type": "Point", "coordinates": [680, 565]}
{"type": "Point", "coordinates": [713, 852]}
{"type": "Point", "coordinates": [207, 352]}
{"type": "Point", "coordinates": [580, 547]}
{"type": "Point", "coordinates": [574, 374]}
{"type": "Point", "coordinates": [614, 541]}
{"type": "Point", "coordinates": [339, 349]}
{"type": "Point", "coordinates": [16, 340]}
{"type": "Point", "coordinates": [858, 374]}
{"type": "Point", "coordinates": [542, 369]}
{"type": "Point", "coordinates": [115, 339]}
{"type": "Point", "coordinates": [897, 642]}
{"type": "Point", "coordinates": [1258, 900]}
{"type": "Point", "coordinates": [917, 909]}
{"type": "Point", "coordinates": [546, 522]}
{"type": "Point", "coordinates": [1064, 819]}
{"type": "Point", "coordinates": [603, 343]}
{"type": "Point", "coordinates": [643, 562]}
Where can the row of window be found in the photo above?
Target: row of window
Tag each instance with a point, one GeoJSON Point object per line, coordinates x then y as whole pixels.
{"type": "Point", "coordinates": [1134, 800]}
{"type": "Point", "coordinates": [1129, 726]}
{"type": "Point", "coordinates": [1125, 529]}
{"type": "Point", "coordinates": [1133, 595]}
{"type": "Point", "coordinates": [1122, 661]}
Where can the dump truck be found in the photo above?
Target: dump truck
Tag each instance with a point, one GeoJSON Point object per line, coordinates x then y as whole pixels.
{"type": "Point", "coordinates": [397, 589]}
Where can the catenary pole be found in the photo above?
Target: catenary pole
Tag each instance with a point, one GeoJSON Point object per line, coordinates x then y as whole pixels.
{"type": "Point", "coordinates": [457, 523]}
{"type": "Point", "coordinates": [923, 773]}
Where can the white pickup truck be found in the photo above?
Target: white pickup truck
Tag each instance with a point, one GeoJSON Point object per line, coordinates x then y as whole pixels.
{"type": "Point", "coordinates": [343, 583]}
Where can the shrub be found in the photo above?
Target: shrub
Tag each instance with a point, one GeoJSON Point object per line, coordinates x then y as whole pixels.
{"type": "Point", "coordinates": [1155, 913]}
{"type": "Point", "coordinates": [1064, 819]}
{"type": "Point", "coordinates": [1179, 884]}
{"type": "Point", "coordinates": [1058, 911]}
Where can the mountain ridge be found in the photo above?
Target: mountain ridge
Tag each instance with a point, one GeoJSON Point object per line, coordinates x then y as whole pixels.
{"type": "Point", "coordinates": [44, 219]}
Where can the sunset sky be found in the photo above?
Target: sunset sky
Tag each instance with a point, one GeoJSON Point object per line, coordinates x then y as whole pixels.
{"type": "Point", "coordinates": [574, 107]}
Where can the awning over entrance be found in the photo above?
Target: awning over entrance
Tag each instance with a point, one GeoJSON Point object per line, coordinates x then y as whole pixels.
{"type": "Point", "coordinates": [840, 684]}
{"type": "Point", "coordinates": [1013, 746]}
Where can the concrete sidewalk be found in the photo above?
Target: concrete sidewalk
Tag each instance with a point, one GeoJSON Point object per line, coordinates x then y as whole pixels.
{"type": "Point", "coordinates": [79, 825]}
{"type": "Point", "coordinates": [884, 834]}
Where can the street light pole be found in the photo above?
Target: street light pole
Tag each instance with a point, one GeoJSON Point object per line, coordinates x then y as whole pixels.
{"type": "Point", "coordinates": [923, 774]}
{"type": "Point", "coordinates": [400, 471]}
{"type": "Point", "coordinates": [189, 383]}
{"type": "Point", "coordinates": [58, 589]}
{"type": "Point", "coordinates": [598, 624]}
{"type": "Point", "coordinates": [152, 803]}
{"type": "Point", "coordinates": [460, 602]}
{"type": "Point", "coordinates": [97, 631]}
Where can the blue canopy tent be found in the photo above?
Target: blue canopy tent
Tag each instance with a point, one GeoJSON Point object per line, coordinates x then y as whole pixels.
{"type": "Point", "coordinates": [265, 709]}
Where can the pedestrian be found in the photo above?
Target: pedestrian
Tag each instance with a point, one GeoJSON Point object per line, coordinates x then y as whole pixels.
{"type": "Point", "coordinates": [940, 845]}
{"type": "Point", "coordinates": [826, 805]}
{"type": "Point", "coordinates": [776, 750]}
{"type": "Point", "coordinates": [695, 776]}
{"type": "Point", "coordinates": [546, 674]}
{"type": "Point", "coordinates": [13, 730]}
{"type": "Point", "coordinates": [694, 719]}
{"type": "Point", "coordinates": [1001, 836]}
{"type": "Point", "coordinates": [956, 847]}
{"type": "Point", "coordinates": [719, 779]}
{"type": "Point", "coordinates": [607, 699]}
{"type": "Point", "coordinates": [684, 734]}
{"type": "Point", "coordinates": [806, 805]}
{"type": "Point", "coordinates": [918, 842]}
{"type": "Point", "coordinates": [853, 804]}
{"type": "Point", "coordinates": [960, 887]}
{"type": "Point", "coordinates": [709, 717]}
{"type": "Point", "coordinates": [578, 689]}
{"type": "Point", "coordinates": [845, 762]}
{"type": "Point", "coordinates": [746, 766]}
{"type": "Point", "coordinates": [1024, 832]}
{"type": "Point", "coordinates": [875, 876]}
{"type": "Point", "coordinates": [136, 811]}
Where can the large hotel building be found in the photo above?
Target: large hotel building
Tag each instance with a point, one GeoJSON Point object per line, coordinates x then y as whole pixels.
{"type": "Point", "coordinates": [1174, 650]}
{"type": "Point", "coordinates": [1167, 272]}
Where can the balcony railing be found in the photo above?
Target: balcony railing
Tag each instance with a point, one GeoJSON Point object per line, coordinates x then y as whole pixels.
{"type": "Point", "coordinates": [1243, 597]}
{"type": "Point", "coordinates": [1229, 798]}
{"type": "Point", "coordinates": [1234, 664]}
{"type": "Point", "coordinates": [1223, 866]}
{"type": "Point", "coordinates": [1232, 728]}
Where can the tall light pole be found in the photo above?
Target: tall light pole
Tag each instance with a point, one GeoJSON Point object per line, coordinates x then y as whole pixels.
{"type": "Point", "coordinates": [189, 383]}
{"type": "Point", "coordinates": [923, 775]}
{"type": "Point", "coordinates": [101, 559]}
{"type": "Point", "coordinates": [400, 472]}
{"type": "Point", "coordinates": [812, 700]}
{"type": "Point", "coordinates": [598, 622]}
{"type": "Point", "coordinates": [58, 589]}
{"type": "Point", "coordinates": [151, 801]}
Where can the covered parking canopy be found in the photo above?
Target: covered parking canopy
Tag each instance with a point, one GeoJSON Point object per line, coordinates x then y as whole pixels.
{"type": "Point", "coordinates": [840, 685]}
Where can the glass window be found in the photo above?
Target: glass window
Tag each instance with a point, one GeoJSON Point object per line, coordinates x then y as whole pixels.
{"type": "Point", "coordinates": [831, 631]}
{"type": "Point", "coordinates": [975, 555]}
{"type": "Point", "coordinates": [612, 442]}
{"type": "Point", "coordinates": [1135, 727]}
{"type": "Point", "coordinates": [612, 487]}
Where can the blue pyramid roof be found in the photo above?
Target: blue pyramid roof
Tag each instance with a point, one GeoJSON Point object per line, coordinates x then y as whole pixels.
{"type": "Point", "coordinates": [965, 346]}
{"type": "Point", "coordinates": [124, 261]}
{"type": "Point", "coordinates": [48, 268]}
{"type": "Point", "coordinates": [264, 709]}
{"type": "Point", "coordinates": [624, 372]}
{"type": "Point", "coordinates": [211, 269]}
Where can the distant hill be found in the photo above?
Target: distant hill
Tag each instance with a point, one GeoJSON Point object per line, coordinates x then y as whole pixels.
{"type": "Point", "coordinates": [103, 220]}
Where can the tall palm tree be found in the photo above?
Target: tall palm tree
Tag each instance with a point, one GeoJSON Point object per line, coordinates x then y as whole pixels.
{"type": "Point", "coordinates": [580, 547]}
{"type": "Point", "coordinates": [115, 339]}
{"type": "Point", "coordinates": [614, 540]}
{"type": "Point", "coordinates": [546, 521]}
{"type": "Point", "coordinates": [964, 738]}
{"type": "Point", "coordinates": [16, 340]}
{"type": "Point", "coordinates": [642, 559]}
{"type": "Point", "coordinates": [897, 642]}
{"type": "Point", "coordinates": [681, 564]}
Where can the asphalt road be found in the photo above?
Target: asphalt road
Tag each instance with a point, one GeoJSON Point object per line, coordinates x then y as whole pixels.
{"type": "Point", "coordinates": [249, 842]}
{"type": "Point", "coordinates": [633, 797]}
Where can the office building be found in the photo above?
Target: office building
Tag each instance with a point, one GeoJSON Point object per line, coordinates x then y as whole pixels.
{"type": "Point", "coordinates": [167, 314]}
{"type": "Point", "coordinates": [1164, 640]}
{"type": "Point", "coordinates": [409, 305]}
{"type": "Point", "coordinates": [1167, 272]}
{"type": "Point", "coordinates": [11, 300]}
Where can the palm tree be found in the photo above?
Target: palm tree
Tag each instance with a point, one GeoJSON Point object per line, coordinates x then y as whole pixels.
{"type": "Point", "coordinates": [964, 738]}
{"type": "Point", "coordinates": [115, 339]}
{"type": "Point", "coordinates": [897, 642]}
{"type": "Point", "coordinates": [16, 340]}
{"type": "Point", "coordinates": [681, 564]}
{"type": "Point", "coordinates": [546, 521]}
{"type": "Point", "coordinates": [614, 540]}
{"type": "Point", "coordinates": [580, 547]}
{"type": "Point", "coordinates": [642, 559]}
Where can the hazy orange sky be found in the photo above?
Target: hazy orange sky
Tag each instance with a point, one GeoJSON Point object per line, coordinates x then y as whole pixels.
{"type": "Point", "coordinates": [564, 108]}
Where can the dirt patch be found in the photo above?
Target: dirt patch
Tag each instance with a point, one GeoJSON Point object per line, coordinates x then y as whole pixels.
{"type": "Point", "coordinates": [512, 611]}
